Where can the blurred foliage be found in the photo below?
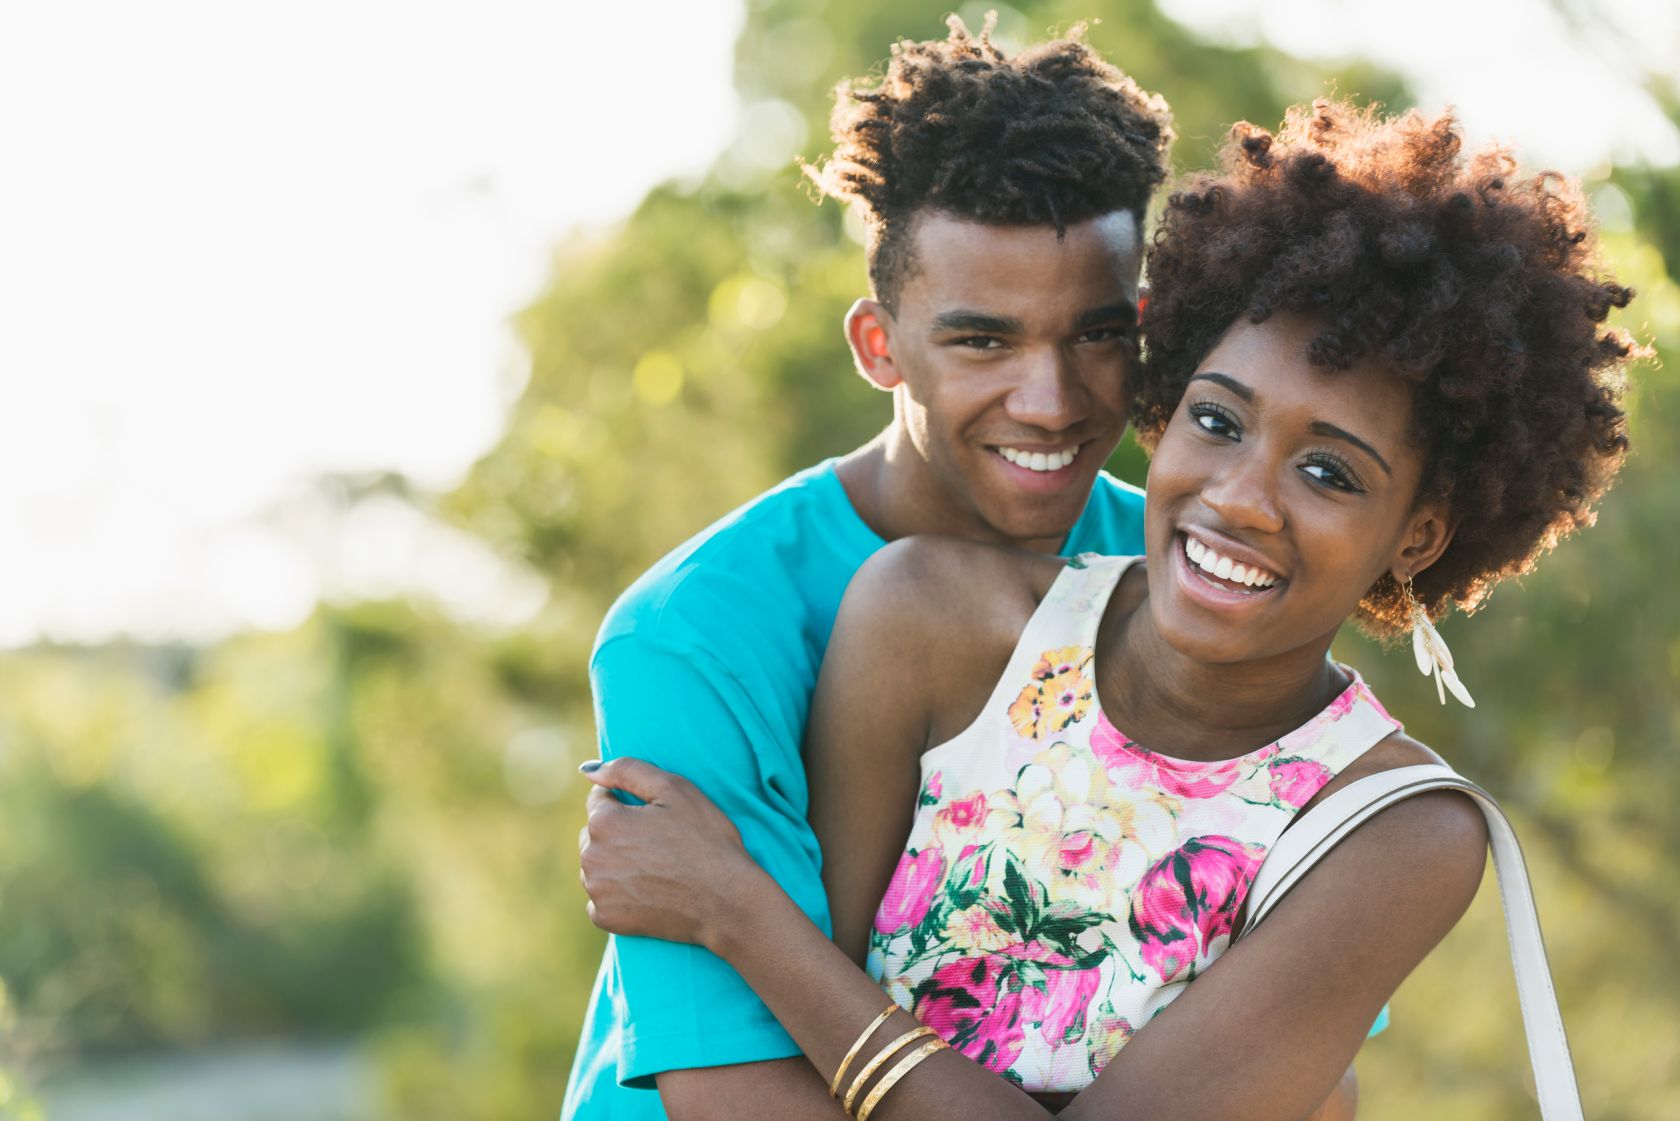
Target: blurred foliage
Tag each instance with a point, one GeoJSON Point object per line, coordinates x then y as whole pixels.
{"type": "Point", "coordinates": [365, 827]}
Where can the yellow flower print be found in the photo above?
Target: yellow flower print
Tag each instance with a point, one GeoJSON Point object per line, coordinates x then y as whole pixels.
{"type": "Point", "coordinates": [1076, 836]}
{"type": "Point", "coordinates": [975, 931]}
{"type": "Point", "coordinates": [1060, 695]}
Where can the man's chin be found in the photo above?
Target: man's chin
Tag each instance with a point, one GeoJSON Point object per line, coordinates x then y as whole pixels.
{"type": "Point", "coordinates": [1036, 530]}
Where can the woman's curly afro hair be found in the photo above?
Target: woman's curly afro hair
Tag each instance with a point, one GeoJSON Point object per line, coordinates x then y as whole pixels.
{"type": "Point", "coordinates": [1053, 136]}
{"type": "Point", "coordinates": [1480, 287]}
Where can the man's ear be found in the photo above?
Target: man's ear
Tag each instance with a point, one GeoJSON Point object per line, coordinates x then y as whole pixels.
{"type": "Point", "coordinates": [869, 332]}
{"type": "Point", "coordinates": [1426, 539]}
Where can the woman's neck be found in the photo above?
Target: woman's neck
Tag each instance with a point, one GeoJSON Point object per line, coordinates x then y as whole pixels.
{"type": "Point", "coordinates": [1191, 709]}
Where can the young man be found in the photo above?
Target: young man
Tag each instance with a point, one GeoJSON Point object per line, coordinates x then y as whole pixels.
{"type": "Point", "coordinates": [1005, 198]}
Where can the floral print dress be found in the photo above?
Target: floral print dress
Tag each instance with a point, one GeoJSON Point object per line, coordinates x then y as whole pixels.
{"type": "Point", "coordinates": [1063, 884]}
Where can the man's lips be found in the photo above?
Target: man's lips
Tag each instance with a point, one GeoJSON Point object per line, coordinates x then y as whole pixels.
{"type": "Point", "coordinates": [1041, 469]}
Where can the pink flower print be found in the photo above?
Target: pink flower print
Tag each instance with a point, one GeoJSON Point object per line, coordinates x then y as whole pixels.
{"type": "Point", "coordinates": [1295, 781]}
{"type": "Point", "coordinates": [1059, 1008]}
{"type": "Point", "coordinates": [915, 882]}
{"type": "Point", "coordinates": [1077, 854]}
{"type": "Point", "coordinates": [977, 874]}
{"type": "Point", "coordinates": [1303, 739]}
{"type": "Point", "coordinates": [932, 790]}
{"type": "Point", "coordinates": [1188, 900]}
{"type": "Point", "coordinates": [1136, 767]}
{"type": "Point", "coordinates": [966, 813]}
{"type": "Point", "coordinates": [1343, 704]}
{"type": "Point", "coordinates": [975, 1006]}
{"type": "Point", "coordinates": [961, 822]}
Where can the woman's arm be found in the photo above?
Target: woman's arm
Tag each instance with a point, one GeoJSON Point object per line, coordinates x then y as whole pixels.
{"type": "Point", "coordinates": [1254, 1050]}
{"type": "Point", "coordinates": [1265, 1034]}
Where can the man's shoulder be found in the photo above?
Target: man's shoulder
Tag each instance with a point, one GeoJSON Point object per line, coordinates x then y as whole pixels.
{"type": "Point", "coordinates": [1112, 523]}
{"type": "Point", "coordinates": [1111, 495]}
{"type": "Point", "coordinates": [757, 563]}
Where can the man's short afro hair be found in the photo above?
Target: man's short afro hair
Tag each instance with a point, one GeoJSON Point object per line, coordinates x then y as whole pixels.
{"type": "Point", "coordinates": [1053, 136]}
{"type": "Point", "coordinates": [1480, 287]}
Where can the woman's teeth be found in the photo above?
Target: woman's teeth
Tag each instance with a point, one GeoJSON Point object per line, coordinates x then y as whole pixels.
{"type": "Point", "coordinates": [1040, 461]}
{"type": "Point", "coordinates": [1224, 567]}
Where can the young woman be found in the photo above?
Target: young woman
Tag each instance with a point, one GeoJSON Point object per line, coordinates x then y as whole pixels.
{"type": "Point", "coordinates": [1377, 384]}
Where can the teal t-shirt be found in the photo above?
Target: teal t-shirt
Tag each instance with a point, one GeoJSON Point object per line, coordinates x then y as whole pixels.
{"type": "Point", "coordinates": [705, 666]}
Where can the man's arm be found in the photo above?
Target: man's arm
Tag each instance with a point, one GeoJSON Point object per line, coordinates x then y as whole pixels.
{"type": "Point", "coordinates": [684, 1011]}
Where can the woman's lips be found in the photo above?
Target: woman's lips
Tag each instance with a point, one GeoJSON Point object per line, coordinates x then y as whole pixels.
{"type": "Point", "coordinates": [1208, 588]}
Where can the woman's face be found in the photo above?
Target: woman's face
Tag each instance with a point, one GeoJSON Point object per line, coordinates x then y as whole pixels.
{"type": "Point", "coordinates": [1278, 494]}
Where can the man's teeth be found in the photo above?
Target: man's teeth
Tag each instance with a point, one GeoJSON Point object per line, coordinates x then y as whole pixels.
{"type": "Point", "coordinates": [1040, 461]}
{"type": "Point", "coordinates": [1224, 567]}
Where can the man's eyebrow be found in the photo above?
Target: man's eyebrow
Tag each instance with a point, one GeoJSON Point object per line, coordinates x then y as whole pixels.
{"type": "Point", "coordinates": [1325, 428]}
{"type": "Point", "coordinates": [976, 321]}
{"type": "Point", "coordinates": [1126, 313]}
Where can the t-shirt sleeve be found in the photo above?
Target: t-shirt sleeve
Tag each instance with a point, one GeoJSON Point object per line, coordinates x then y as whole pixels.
{"type": "Point", "coordinates": [677, 707]}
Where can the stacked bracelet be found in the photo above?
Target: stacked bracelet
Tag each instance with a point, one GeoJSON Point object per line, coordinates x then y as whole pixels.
{"type": "Point", "coordinates": [882, 1056]}
{"type": "Point", "coordinates": [904, 1067]}
{"type": "Point", "coordinates": [834, 1087]}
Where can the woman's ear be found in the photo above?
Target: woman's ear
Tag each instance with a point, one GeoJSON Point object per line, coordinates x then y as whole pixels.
{"type": "Point", "coordinates": [869, 333]}
{"type": "Point", "coordinates": [1427, 537]}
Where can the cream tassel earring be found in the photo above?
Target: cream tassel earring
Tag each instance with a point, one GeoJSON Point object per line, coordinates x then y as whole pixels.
{"type": "Point", "coordinates": [1432, 654]}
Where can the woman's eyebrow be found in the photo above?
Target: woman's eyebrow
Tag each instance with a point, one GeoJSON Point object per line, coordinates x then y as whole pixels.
{"type": "Point", "coordinates": [1228, 382]}
{"type": "Point", "coordinates": [1325, 428]}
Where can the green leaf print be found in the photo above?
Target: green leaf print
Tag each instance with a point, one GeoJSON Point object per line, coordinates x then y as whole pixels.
{"type": "Point", "coordinates": [1023, 901]}
{"type": "Point", "coordinates": [967, 880]}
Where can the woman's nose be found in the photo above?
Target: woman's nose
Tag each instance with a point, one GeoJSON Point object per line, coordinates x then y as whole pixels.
{"type": "Point", "coordinates": [1245, 496]}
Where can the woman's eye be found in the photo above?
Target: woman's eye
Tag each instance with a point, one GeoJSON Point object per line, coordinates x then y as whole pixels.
{"type": "Point", "coordinates": [1332, 474]}
{"type": "Point", "coordinates": [1214, 420]}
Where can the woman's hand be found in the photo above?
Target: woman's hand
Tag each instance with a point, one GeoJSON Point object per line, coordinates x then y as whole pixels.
{"type": "Point", "coordinates": [672, 868]}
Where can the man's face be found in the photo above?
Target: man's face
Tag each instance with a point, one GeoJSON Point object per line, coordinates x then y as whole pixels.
{"type": "Point", "coordinates": [1014, 348]}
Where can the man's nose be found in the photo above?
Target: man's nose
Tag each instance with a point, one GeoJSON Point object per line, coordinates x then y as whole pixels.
{"type": "Point", "coordinates": [1048, 394]}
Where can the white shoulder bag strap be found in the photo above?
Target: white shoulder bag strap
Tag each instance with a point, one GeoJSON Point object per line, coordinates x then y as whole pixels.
{"type": "Point", "coordinates": [1320, 829]}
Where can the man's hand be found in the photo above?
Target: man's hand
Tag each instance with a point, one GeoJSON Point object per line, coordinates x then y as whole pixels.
{"type": "Point", "coordinates": [669, 868]}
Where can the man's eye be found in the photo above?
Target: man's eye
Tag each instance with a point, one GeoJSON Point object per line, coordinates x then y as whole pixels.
{"type": "Point", "coordinates": [1103, 335]}
{"type": "Point", "coordinates": [978, 342]}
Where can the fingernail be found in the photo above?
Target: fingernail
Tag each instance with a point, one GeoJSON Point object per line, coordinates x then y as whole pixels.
{"type": "Point", "coordinates": [590, 767]}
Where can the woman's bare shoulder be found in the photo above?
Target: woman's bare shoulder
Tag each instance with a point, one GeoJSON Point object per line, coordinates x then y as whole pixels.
{"type": "Point", "coordinates": [931, 581]}
{"type": "Point", "coordinates": [943, 614]}
{"type": "Point", "coordinates": [1440, 834]}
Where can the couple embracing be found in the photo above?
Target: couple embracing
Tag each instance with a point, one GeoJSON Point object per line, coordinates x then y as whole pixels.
{"type": "Point", "coordinates": [945, 768]}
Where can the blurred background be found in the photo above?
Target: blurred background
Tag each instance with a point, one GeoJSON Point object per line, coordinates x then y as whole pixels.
{"type": "Point", "coordinates": [353, 356]}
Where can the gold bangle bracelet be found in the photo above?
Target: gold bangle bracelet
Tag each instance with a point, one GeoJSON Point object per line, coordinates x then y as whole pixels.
{"type": "Point", "coordinates": [834, 1087]}
{"type": "Point", "coordinates": [882, 1056]}
{"type": "Point", "coordinates": [904, 1067]}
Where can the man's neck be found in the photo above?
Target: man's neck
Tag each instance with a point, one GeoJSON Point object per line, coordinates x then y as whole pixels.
{"type": "Point", "coordinates": [897, 495]}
